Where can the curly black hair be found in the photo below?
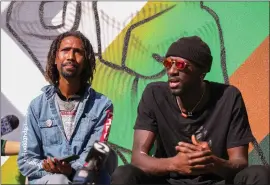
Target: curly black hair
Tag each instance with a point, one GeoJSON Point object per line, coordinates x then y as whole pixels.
{"type": "Point", "coordinates": [52, 74]}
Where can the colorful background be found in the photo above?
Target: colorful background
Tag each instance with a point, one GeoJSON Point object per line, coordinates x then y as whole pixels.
{"type": "Point", "coordinates": [129, 39]}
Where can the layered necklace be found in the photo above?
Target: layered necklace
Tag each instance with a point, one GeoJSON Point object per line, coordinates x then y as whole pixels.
{"type": "Point", "coordinates": [68, 105]}
{"type": "Point", "coordinates": [189, 113]}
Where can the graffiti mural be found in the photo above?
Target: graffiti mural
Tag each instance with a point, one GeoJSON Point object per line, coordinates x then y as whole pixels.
{"type": "Point", "coordinates": [130, 44]}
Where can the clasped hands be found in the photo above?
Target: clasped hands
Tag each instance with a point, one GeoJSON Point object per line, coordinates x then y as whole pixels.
{"type": "Point", "coordinates": [55, 166]}
{"type": "Point", "coordinates": [194, 159]}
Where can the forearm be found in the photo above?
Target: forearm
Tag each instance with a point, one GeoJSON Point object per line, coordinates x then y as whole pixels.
{"type": "Point", "coordinates": [31, 167]}
{"type": "Point", "coordinates": [229, 168]}
{"type": "Point", "coordinates": [12, 148]}
{"type": "Point", "coordinates": [152, 165]}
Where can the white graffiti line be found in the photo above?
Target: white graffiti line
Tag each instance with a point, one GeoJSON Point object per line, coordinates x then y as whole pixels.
{"type": "Point", "coordinates": [24, 139]}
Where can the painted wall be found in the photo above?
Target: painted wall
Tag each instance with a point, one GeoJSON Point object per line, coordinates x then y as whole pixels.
{"type": "Point", "coordinates": [129, 38]}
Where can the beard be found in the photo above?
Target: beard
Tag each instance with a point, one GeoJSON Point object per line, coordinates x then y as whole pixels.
{"type": "Point", "coordinates": [69, 73]}
{"type": "Point", "coordinates": [176, 92]}
{"type": "Point", "coordinates": [184, 89]}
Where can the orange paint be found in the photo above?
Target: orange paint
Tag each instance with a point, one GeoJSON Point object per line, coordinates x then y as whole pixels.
{"type": "Point", "coordinates": [252, 78]}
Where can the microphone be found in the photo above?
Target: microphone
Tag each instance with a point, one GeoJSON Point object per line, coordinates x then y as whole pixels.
{"type": "Point", "coordinates": [94, 161]}
{"type": "Point", "coordinates": [8, 124]}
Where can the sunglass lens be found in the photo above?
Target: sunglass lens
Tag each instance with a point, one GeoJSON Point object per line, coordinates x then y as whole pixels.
{"type": "Point", "coordinates": [180, 65]}
{"type": "Point", "coordinates": [167, 63]}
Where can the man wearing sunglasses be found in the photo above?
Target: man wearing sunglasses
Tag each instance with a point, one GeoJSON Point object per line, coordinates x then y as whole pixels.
{"type": "Point", "coordinates": [200, 129]}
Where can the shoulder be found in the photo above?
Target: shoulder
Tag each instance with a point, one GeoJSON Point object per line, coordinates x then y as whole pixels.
{"type": "Point", "coordinates": [157, 88]}
{"type": "Point", "coordinates": [224, 90]}
{"type": "Point", "coordinates": [39, 100]}
{"type": "Point", "coordinates": [100, 99]}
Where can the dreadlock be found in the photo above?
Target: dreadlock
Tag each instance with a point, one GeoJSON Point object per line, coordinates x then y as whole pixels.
{"type": "Point", "coordinates": [52, 74]}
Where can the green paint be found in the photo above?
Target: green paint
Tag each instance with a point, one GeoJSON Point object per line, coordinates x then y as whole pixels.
{"type": "Point", "coordinates": [254, 157]}
{"type": "Point", "coordinates": [245, 25]}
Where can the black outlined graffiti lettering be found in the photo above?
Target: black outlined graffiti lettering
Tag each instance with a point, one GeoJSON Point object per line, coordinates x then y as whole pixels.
{"type": "Point", "coordinates": [34, 30]}
{"type": "Point", "coordinates": [36, 36]}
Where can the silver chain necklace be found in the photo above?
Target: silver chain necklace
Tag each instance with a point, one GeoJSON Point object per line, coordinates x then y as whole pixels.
{"type": "Point", "coordinates": [190, 113]}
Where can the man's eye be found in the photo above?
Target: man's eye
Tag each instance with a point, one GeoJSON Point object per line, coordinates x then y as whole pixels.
{"type": "Point", "coordinates": [65, 49]}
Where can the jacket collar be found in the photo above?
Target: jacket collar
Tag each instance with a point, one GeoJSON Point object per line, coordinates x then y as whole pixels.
{"type": "Point", "coordinates": [50, 90]}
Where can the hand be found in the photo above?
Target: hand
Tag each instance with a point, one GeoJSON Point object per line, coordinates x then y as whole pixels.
{"type": "Point", "coordinates": [204, 145]}
{"type": "Point", "coordinates": [55, 166]}
{"type": "Point", "coordinates": [199, 161]}
{"type": "Point", "coordinates": [194, 163]}
{"type": "Point", "coordinates": [195, 146]}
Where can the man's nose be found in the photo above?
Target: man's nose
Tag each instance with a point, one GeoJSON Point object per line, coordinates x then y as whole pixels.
{"type": "Point", "coordinates": [71, 55]}
{"type": "Point", "coordinates": [173, 70]}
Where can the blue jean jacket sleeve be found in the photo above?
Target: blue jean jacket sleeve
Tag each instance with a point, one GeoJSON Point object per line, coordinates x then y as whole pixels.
{"type": "Point", "coordinates": [100, 133]}
{"type": "Point", "coordinates": [29, 158]}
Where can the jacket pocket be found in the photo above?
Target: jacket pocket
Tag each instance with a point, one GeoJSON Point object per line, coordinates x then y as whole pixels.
{"type": "Point", "coordinates": [50, 133]}
{"type": "Point", "coordinates": [85, 128]}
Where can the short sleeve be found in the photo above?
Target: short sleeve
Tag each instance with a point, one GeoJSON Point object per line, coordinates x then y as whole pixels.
{"type": "Point", "coordinates": [146, 119]}
{"type": "Point", "coordinates": [239, 131]}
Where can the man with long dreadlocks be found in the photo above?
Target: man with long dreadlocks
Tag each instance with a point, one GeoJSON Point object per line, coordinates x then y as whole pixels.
{"type": "Point", "coordinates": [67, 118]}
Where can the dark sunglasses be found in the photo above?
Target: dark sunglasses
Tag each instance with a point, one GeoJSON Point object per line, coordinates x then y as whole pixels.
{"type": "Point", "coordinates": [180, 64]}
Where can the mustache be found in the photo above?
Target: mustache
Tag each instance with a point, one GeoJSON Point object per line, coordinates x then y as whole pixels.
{"type": "Point", "coordinates": [173, 78]}
{"type": "Point", "coordinates": [69, 63]}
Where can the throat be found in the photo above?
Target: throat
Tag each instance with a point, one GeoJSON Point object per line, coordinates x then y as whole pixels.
{"type": "Point", "coordinates": [69, 89]}
{"type": "Point", "coordinates": [188, 105]}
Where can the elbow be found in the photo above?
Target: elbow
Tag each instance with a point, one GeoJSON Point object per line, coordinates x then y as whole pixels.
{"type": "Point", "coordinates": [139, 162]}
{"type": "Point", "coordinates": [135, 160]}
{"type": "Point", "coordinates": [241, 163]}
{"type": "Point", "coordinates": [244, 164]}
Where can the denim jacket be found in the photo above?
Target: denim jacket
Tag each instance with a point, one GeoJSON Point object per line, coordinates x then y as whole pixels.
{"type": "Point", "coordinates": [43, 134]}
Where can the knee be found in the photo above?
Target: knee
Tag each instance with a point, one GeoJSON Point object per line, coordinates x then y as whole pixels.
{"type": "Point", "coordinates": [255, 170]}
{"type": "Point", "coordinates": [125, 170]}
{"type": "Point", "coordinates": [259, 172]}
{"type": "Point", "coordinates": [58, 179]}
{"type": "Point", "coordinates": [124, 174]}
{"type": "Point", "coordinates": [104, 178]}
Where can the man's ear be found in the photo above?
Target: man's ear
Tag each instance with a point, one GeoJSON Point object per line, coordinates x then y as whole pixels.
{"type": "Point", "coordinates": [202, 76]}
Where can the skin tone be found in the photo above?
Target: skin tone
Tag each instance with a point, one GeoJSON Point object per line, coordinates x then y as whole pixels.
{"type": "Point", "coordinates": [192, 158]}
{"type": "Point", "coordinates": [70, 62]}
{"type": "Point", "coordinates": [12, 148]}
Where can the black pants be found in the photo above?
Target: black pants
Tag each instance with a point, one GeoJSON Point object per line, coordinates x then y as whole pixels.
{"type": "Point", "coordinates": [129, 174]}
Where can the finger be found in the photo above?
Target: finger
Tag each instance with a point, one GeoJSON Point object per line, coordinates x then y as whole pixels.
{"type": "Point", "coordinates": [183, 149]}
{"type": "Point", "coordinates": [199, 154]}
{"type": "Point", "coordinates": [190, 146]}
{"type": "Point", "coordinates": [57, 162]}
{"type": "Point", "coordinates": [58, 165]}
{"type": "Point", "coordinates": [43, 164]}
{"type": "Point", "coordinates": [52, 165]}
{"type": "Point", "coordinates": [65, 163]}
{"type": "Point", "coordinates": [200, 161]}
{"type": "Point", "coordinates": [205, 145]}
{"type": "Point", "coordinates": [194, 140]}
{"type": "Point", "coordinates": [202, 167]}
{"type": "Point", "coordinates": [46, 166]}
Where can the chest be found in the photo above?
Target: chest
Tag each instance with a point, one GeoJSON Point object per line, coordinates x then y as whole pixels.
{"type": "Point", "coordinates": [210, 125]}
{"type": "Point", "coordinates": [52, 124]}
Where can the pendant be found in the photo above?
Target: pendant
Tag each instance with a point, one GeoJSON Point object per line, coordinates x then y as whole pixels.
{"type": "Point", "coordinates": [69, 106]}
{"type": "Point", "coordinates": [184, 115]}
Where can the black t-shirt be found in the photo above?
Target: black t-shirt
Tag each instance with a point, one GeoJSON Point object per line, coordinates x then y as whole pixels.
{"type": "Point", "coordinates": [223, 122]}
